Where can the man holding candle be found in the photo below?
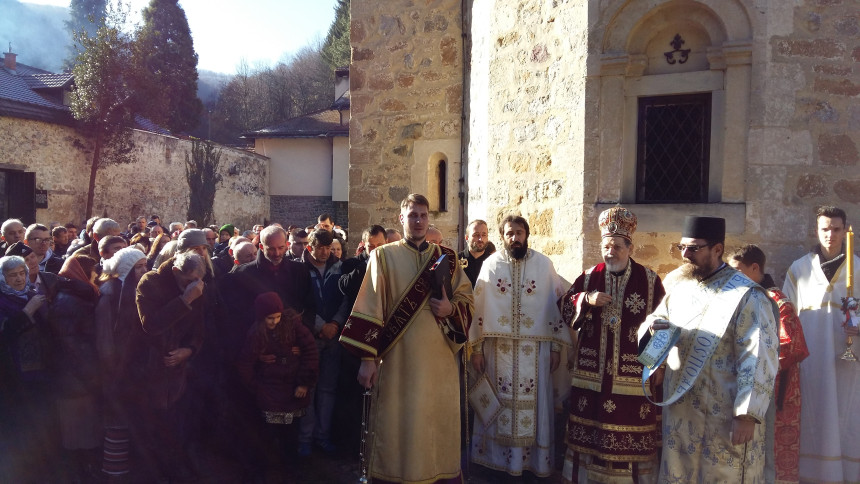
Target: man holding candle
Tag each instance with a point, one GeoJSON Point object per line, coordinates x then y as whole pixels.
{"type": "Point", "coordinates": [829, 385]}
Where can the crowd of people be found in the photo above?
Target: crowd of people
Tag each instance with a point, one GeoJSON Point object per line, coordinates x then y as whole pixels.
{"type": "Point", "coordinates": [268, 346]}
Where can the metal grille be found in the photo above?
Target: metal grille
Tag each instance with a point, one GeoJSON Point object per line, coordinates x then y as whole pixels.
{"type": "Point", "coordinates": [673, 149]}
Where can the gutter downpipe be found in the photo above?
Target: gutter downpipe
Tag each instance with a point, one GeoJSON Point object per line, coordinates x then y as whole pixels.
{"type": "Point", "coordinates": [464, 149]}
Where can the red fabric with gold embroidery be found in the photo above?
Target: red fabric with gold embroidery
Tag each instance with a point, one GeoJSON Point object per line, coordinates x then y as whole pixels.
{"type": "Point", "coordinates": [792, 350]}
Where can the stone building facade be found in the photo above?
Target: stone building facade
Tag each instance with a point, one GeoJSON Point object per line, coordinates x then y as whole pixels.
{"type": "Point", "coordinates": [406, 87]}
{"type": "Point", "coordinates": [156, 183]}
{"type": "Point", "coordinates": [553, 115]}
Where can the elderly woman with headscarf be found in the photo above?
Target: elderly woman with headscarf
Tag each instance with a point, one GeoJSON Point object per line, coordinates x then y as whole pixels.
{"type": "Point", "coordinates": [117, 322]}
{"type": "Point", "coordinates": [26, 397]}
{"type": "Point", "coordinates": [78, 376]}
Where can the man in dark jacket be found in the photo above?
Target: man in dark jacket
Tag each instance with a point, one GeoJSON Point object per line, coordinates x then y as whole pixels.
{"type": "Point", "coordinates": [331, 314]}
{"type": "Point", "coordinates": [270, 272]}
{"type": "Point", "coordinates": [38, 237]}
{"type": "Point", "coordinates": [479, 248]}
{"type": "Point", "coordinates": [171, 313]}
{"type": "Point", "coordinates": [349, 392]}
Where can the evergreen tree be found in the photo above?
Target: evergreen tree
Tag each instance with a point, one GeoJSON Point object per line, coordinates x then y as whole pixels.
{"type": "Point", "coordinates": [201, 172]}
{"type": "Point", "coordinates": [102, 100]}
{"type": "Point", "coordinates": [84, 16]}
{"type": "Point", "coordinates": [165, 57]}
{"type": "Point", "coordinates": [336, 50]}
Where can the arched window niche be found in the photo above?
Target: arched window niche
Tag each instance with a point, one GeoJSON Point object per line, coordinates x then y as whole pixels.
{"type": "Point", "coordinates": [636, 70]}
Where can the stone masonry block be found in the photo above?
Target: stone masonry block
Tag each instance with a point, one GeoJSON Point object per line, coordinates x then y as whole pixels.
{"type": "Point", "coordinates": [837, 149]}
{"type": "Point", "coordinates": [818, 48]}
{"type": "Point", "coordinates": [359, 55]}
{"type": "Point", "coordinates": [392, 105]}
{"type": "Point", "coordinates": [448, 47]}
{"type": "Point", "coordinates": [848, 190]}
{"type": "Point", "coordinates": [381, 82]}
{"type": "Point", "coordinates": [832, 70]}
{"type": "Point", "coordinates": [842, 87]}
{"type": "Point", "coordinates": [357, 32]}
{"type": "Point", "coordinates": [811, 185]}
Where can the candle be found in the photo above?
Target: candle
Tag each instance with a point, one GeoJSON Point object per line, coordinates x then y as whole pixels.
{"type": "Point", "coordinates": [849, 261]}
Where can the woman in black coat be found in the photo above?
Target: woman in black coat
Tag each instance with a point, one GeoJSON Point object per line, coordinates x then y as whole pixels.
{"type": "Point", "coordinates": [78, 378]}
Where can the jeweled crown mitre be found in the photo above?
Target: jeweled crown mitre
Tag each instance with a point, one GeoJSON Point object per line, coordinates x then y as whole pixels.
{"type": "Point", "coordinates": [617, 221]}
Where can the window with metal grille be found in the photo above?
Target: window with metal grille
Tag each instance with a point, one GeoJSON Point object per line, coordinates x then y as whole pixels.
{"type": "Point", "coordinates": [674, 143]}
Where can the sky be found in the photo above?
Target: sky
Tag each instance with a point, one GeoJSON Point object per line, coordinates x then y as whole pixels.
{"type": "Point", "coordinates": [260, 31]}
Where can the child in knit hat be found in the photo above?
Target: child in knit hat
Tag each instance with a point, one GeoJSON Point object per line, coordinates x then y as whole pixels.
{"type": "Point", "coordinates": [279, 364]}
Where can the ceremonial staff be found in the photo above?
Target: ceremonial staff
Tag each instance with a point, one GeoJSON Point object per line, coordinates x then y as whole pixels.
{"type": "Point", "coordinates": [849, 303]}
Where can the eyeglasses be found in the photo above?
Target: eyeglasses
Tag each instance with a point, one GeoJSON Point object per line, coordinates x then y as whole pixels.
{"type": "Point", "coordinates": [691, 247]}
{"type": "Point", "coordinates": [39, 240]}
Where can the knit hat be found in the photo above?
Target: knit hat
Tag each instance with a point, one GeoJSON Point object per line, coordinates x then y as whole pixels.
{"type": "Point", "coordinates": [122, 262]}
{"type": "Point", "coordinates": [19, 248]}
{"type": "Point", "coordinates": [191, 238]}
{"type": "Point", "coordinates": [266, 304]}
{"type": "Point", "coordinates": [229, 228]}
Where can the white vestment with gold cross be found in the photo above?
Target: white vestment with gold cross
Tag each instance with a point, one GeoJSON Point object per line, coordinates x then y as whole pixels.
{"type": "Point", "coordinates": [517, 325]}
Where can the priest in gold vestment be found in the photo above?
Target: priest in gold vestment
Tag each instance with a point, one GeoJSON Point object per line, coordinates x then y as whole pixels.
{"type": "Point", "coordinates": [720, 374]}
{"type": "Point", "coordinates": [395, 327]}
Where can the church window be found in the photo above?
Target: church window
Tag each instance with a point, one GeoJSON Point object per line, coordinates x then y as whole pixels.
{"type": "Point", "coordinates": [442, 180]}
{"type": "Point", "coordinates": [673, 148]}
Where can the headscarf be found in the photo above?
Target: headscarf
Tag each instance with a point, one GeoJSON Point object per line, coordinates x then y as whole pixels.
{"type": "Point", "coordinates": [122, 262]}
{"type": "Point", "coordinates": [80, 268]}
{"type": "Point", "coordinates": [5, 288]}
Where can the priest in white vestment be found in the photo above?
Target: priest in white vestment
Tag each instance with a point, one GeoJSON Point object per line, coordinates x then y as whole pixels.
{"type": "Point", "coordinates": [829, 386]}
{"type": "Point", "coordinates": [720, 374]}
{"type": "Point", "coordinates": [516, 339]}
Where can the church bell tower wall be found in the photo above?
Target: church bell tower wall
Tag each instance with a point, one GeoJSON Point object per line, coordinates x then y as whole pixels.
{"type": "Point", "coordinates": [406, 88]}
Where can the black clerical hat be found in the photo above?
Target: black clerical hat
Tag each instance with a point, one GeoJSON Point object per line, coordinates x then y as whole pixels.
{"type": "Point", "coordinates": [708, 228]}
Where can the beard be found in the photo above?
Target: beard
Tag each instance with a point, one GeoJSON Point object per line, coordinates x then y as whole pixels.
{"type": "Point", "coordinates": [614, 264]}
{"type": "Point", "coordinates": [517, 250]}
{"type": "Point", "coordinates": [694, 272]}
{"type": "Point", "coordinates": [476, 246]}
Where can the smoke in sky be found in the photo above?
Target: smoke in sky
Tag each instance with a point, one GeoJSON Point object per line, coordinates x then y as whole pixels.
{"type": "Point", "coordinates": [37, 33]}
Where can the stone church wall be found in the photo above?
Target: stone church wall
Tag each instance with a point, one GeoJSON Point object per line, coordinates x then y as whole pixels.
{"type": "Point", "coordinates": [547, 133]}
{"type": "Point", "coordinates": [156, 183]}
{"type": "Point", "coordinates": [406, 83]}
{"type": "Point", "coordinates": [526, 128]}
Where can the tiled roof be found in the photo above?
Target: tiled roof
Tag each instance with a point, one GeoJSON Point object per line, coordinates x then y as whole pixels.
{"type": "Point", "coordinates": [321, 123]}
{"type": "Point", "coordinates": [147, 125]}
{"type": "Point", "coordinates": [18, 97]}
{"type": "Point", "coordinates": [25, 70]}
{"type": "Point", "coordinates": [16, 88]}
{"type": "Point", "coordinates": [48, 81]}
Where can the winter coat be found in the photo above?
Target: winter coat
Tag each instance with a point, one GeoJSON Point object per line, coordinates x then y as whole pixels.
{"type": "Point", "coordinates": [291, 280]}
{"type": "Point", "coordinates": [72, 322]}
{"type": "Point", "coordinates": [168, 324]}
{"type": "Point", "coordinates": [274, 384]}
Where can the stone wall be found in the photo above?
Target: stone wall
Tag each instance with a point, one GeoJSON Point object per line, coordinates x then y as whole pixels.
{"type": "Point", "coordinates": [549, 105]}
{"type": "Point", "coordinates": [805, 128]}
{"type": "Point", "coordinates": [406, 83]}
{"type": "Point", "coordinates": [551, 101]}
{"type": "Point", "coordinates": [304, 210]}
{"type": "Point", "coordinates": [155, 183]}
{"type": "Point", "coordinates": [526, 128]}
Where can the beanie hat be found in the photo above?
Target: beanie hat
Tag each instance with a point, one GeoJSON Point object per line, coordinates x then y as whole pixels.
{"type": "Point", "coordinates": [228, 228]}
{"type": "Point", "coordinates": [122, 262]}
{"type": "Point", "coordinates": [266, 304]}
{"type": "Point", "coordinates": [19, 248]}
{"type": "Point", "coordinates": [191, 238]}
